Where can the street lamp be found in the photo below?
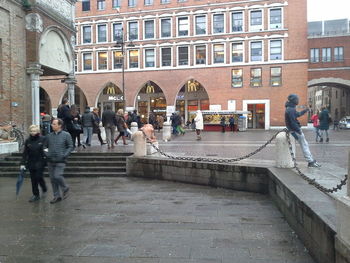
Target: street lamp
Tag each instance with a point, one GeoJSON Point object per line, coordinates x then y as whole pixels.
{"type": "Point", "coordinates": [120, 43]}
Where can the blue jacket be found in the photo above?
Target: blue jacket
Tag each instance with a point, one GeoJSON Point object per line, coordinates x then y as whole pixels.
{"type": "Point", "coordinates": [291, 117]}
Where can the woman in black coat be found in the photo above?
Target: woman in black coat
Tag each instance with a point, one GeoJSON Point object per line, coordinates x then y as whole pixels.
{"type": "Point", "coordinates": [34, 160]}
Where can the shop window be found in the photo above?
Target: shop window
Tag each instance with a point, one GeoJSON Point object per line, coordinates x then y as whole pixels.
{"type": "Point", "coordinates": [204, 104]}
{"type": "Point", "coordinates": [183, 26]}
{"type": "Point", "coordinates": [218, 23]}
{"type": "Point", "coordinates": [255, 77]}
{"type": "Point", "coordinates": [102, 60]}
{"type": "Point", "coordinates": [165, 27]}
{"type": "Point", "coordinates": [314, 55]}
{"type": "Point", "coordinates": [201, 25]}
{"type": "Point", "coordinates": [117, 59]}
{"type": "Point", "coordinates": [201, 53]}
{"type": "Point", "coordinates": [237, 21]}
{"type": "Point", "coordinates": [275, 18]}
{"type": "Point", "coordinates": [237, 78]}
{"type": "Point", "coordinates": [149, 29]}
{"type": "Point", "coordinates": [218, 53]}
{"type": "Point", "coordinates": [87, 61]}
{"type": "Point", "coordinates": [256, 51]}
{"type": "Point", "coordinates": [276, 76]}
{"type": "Point", "coordinates": [183, 56]}
{"type": "Point", "coordinates": [237, 52]}
{"type": "Point", "coordinates": [166, 57]}
{"type": "Point", "coordinates": [275, 49]}
{"type": "Point", "coordinates": [133, 31]}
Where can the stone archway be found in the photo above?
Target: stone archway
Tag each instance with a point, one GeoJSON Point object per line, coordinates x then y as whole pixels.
{"type": "Point", "coordinates": [110, 94]}
{"type": "Point", "coordinates": [45, 101]}
{"type": "Point", "coordinates": [79, 98]}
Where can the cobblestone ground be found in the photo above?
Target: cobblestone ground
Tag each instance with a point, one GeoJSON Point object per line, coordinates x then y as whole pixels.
{"type": "Point", "coordinates": [129, 220]}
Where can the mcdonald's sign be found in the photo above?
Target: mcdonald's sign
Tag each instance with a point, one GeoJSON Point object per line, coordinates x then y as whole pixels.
{"type": "Point", "coordinates": [192, 86]}
{"type": "Point", "coordinates": [110, 90]}
{"type": "Point", "coordinates": [149, 89]}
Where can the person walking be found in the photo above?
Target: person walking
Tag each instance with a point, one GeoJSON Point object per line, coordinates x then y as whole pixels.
{"type": "Point", "coordinates": [231, 122]}
{"type": "Point", "coordinates": [63, 112]}
{"type": "Point", "coordinates": [33, 159]}
{"type": "Point", "coordinates": [87, 121]}
{"type": "Point", "coordinates": [46, 120]}
{"type": "Point", "coordinates": [160, 121]}
{"type": "Point", "coordinates": [74, 126]}
{"type": "Point", "coordinates": [198, 124]}
{"type": "Point", "coordinates": [316, 124]}
{"type": "Point", "coordinates": [96, 125]}
{"type": "Point", "coordinates": [109, 122]}
{"type": "Point", "coordinates": [324, 123]}
{"type": "Point", "coordinates": [293, 125]}
{"type": "Point", "coordinates": [121, 126]}
{"type": "Point", "coordinates": [59, 146]}
{"type": "Point", "coordinates": [223, 124]}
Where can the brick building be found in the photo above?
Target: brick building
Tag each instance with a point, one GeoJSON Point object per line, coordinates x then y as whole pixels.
{"type": "Point", "coordinates": [187, 54]}
{"type": "Point", "coordinates": [329, 66]}
{"type": "Point", "coordinates": [35, 42]}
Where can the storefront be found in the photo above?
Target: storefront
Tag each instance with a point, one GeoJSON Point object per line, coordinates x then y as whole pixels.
{"type": "Point", "coordinates": [111, 96]}
{"type": "Point", "coordinates": [256, 117]}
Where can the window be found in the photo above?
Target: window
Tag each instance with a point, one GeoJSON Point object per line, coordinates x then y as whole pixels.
{"type": "Point", "coordinates": [133, 59]}
{"type": "Point", "coordinates": [116, 3]}
{"type": "Point", "coordinates": [86, 5]}
{"type": "Point", "coordinates": [183, 56]}
{"type": "Point", "coordinates": [314, 55]}
{"type": "Point", "coordinates": [218, 53]}
{"type": "Point", "coordinates": [165, 27]}
{"type": "Point", "coordinates": [256, 20]}
{"type": "Point", "coordinates": [275, 49]}
{"type": "Point", "coordinates": [326, 54]}
{"type": "Point", "coordinates": [102, 60]}
{"type": "Point", "coordinates": [102, 33]}
{"type": "Point", "coordinates": [87, 61]}
{"type": "Point", "coordinates": [149, 29]}
{"type": "Point", "coordinates": [276, 76]}
{"type": "Point", "coordinates": [75, 62]}
{"type": "Point", "coordinates": [237, 78]}
{"type": "Point", "coordinates": [131, 3]}
{"type": "Point", "coordinates": [275, 18]}
{"type": "Point", "coordinates": [133, 31]}
{"type": "Point", "coordinates": [166, 57]}
{"type": "Point", "coordinates": [237, 22]}
{"type": "Point", "coordinates": [148, 2]}
{"type": "Point", "coordinates": [182, 26]}
{"type": "Point", "coordinates": [86, 34]}
{"type": "Point", "coordinates": [256, 51]}
{"type": "Point", "coordinates": [218, 23]}
{"type": "Point", "coordinates": [338, 53]}
{"type": "Point", "coordinates": [101, 5]}
{"type": "Point", "coordinates": [164, 1]}
{"type": "Point", "coordinates": [237, 52]}
{"type": "Point", "coordinates": [201, 55]}
{"type": "Point", "coordinates": [117, 59]}
{"type": "Point", "coordinates": [149, 58]}
{"type": "Point", "coordinates": [255, 77]}
{"type": "Point", "coordinates": [201, 25]}
{"type": "Point", "coordinates": [118, 32]}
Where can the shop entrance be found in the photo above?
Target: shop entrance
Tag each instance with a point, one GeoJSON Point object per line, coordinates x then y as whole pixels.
{"type": "Point", "coordinates": [110, 95]}
{"type": "Point", "coordinates": [150, 99]}
{"type": "Point", "coordinates": [256, 117]}
{"type": "Point", "coordinates": [191, 97]}
{"type": "Point", "coordinates": [79, 99]}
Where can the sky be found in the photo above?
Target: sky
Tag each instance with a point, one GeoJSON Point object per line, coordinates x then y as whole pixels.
{"type": "Point", "coordinates": [328, 9]}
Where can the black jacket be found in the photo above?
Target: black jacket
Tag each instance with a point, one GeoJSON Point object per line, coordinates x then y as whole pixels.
{"type": "Point", "coordinates": [108, 118]}
{"type": "Point", "coordinates": [87, 120]}
{"type": "Point", "coordinates": [291, 117]}
{"type": "Point", "coordinates": [33, 154]}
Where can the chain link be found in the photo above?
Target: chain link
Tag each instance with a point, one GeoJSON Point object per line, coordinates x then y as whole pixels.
{"type": "Point", "coordinates": [230, 160]}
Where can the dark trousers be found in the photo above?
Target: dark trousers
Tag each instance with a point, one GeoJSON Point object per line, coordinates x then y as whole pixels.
{"type": "Point", "coordinates": [98, 131]}
{"type": "Point", "coordinates": [223, 128]}
{"type": "Point", "coordinates": [232, 127]}
{"type": "Point", "coordinates": [75, 138]}
{"type": "Point", "coordinates": [37, 178]}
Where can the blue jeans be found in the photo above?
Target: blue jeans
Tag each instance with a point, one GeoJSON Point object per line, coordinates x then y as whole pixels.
{"type": "Point", "coordinates": [87, 135]}
{"type": "Point", "coordinates": [317, 130]}
{"type": "Point", "coordinates": [305, 147]}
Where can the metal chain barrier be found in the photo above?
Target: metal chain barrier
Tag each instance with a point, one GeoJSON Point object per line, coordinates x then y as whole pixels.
{"type": "Point", "coordinates": [308, 179]}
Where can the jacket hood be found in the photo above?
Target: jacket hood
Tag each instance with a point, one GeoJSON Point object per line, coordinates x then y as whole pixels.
{"type": "Point", "coordinates": [290, 104]}
{"type": "Point", "coordinates": [293, 98]}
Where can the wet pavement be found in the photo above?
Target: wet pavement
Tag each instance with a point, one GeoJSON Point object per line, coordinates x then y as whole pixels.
{"type": "Point", "coordinates": [133, 220]}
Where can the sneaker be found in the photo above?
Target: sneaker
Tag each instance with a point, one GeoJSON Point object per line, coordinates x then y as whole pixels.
{"type": "Point", "coordinates": [65, 193]}
{"type": "Point", "coordinates": [314, 164]}
{"type": "Point", "coordinates": [56, 200]}
{"type": "Point", "coordinates": [321, 140]}
{"type": "Point", "coordinates": [43, 194]}
{"type": "Point", "coordinates": [34, 198]}
{"type": "Point", "coordinates": [327, 140]}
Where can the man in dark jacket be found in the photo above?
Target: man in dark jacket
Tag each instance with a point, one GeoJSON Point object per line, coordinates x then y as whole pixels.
{"type": "Point", "coordinates": [293, 125]}
{"type": "Point", "coordinates": [63, 113]}
{"type": "Point", "coordinates": [324, 123]}
{"type": "Point", "coordinates": [59, 146]}
{"type": "Point", "coordinates": [109, 122]}
{"type": "Point", "coordinates": [87, 121]}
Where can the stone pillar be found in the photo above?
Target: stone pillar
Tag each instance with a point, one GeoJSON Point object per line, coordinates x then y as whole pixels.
{"type": "Point", "coordinates": [35, 71]}
{"type": "Point", "coordinates": [71, 81]}
{"type": "Point", "coordinates": [347, 183]}
{"type": "Point", "coordinates": [139, 139]}
{"type": "Point", "coordinates": [134, 127]}
{"type": "Point", "coordinates": [283, 157]}
{"type": "Point", "coordinates": [166, 131]}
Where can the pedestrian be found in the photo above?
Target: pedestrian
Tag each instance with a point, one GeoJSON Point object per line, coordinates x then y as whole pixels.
{"type": "Point", "coordinates": [96, 125]}
{"type": "Point", "coordinates": [46, 121]}
{"type": "Point", "coordinates": [34, 160]}
{"type": "Point", "coordinates": [316, 124]}
{"type": "Point", "coordinates": [109, 122]}
{"type": "Point", "coordinates": [160, 121]}
{"type": "Point", "coordinates": [336, 124]}
{"type": "Point", "coordinates": [223, 124]}
{"type": "Point", "coordinates": [324, 123]}
{"type": "Point", "coordinates": [63, 112]}
{"type": "Point", "coordinates": [74, 126]}
{"type": "Point", "coordinates": [231, 122]}
{"type": "Point", "coordinates": [59, 146]}
{"type": "Point", "coordinates": [199, 124]}
{"type": "Point", "coordinates": [152, 119]}
{"type": "Point", "coordinates": [294, 127]}
{"type": "Point", "coordinates": [173, 123]}
{"type": "Point", "coordinates": [121, 126]}
{"type": "Point", "coordinates": [87, 121]}
{"type": "Point", "coordinates": [178, 122]}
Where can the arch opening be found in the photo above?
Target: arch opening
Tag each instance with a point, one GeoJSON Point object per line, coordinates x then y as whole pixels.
{"type": "Point", "coordinates": [110, 95]}
{"type": "Point", "coordinates": [79, 98]}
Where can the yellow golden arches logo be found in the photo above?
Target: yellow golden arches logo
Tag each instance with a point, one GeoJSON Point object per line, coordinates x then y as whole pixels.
{"type": "Point", "coordinates": [110, 90]}
{"type": "Point", "coordinates": [192, 86]}
{"type": "Point", "coordinates": [149, 89]}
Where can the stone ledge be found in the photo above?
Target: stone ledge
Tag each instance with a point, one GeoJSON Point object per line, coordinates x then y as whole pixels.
{"type": "Point", "coordinates": [8, 147]}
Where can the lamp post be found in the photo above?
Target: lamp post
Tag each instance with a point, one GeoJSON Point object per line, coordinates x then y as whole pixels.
{"type": "Point", "coordinates": [121, 44]}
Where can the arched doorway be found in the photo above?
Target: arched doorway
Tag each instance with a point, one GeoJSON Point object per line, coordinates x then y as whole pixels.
{"type": "Point", "coordinates": [150, 99]}
{"type": "Point", "coordinates": [191, 97]}
{"type": "Point", "coordinates": [79, 99]}
{"type": "Point", "coordinates": [110, 95]}
{"type": "Point", "coordinates": [45, 102]}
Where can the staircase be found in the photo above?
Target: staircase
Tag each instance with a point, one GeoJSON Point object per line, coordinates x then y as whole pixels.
{"type": "Point", "coordinates": [80, 164]}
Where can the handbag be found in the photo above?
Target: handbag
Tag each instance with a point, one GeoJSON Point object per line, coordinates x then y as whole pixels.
{"type": "Point", "coordinates": [76, 127]}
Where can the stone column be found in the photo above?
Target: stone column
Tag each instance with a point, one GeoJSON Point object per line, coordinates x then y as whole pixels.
{"type": "Point", "coordinates": [35, 71]}
{"type": "Point", "coordinates": [139, 139]}
{"type": "Point", "coordinates": [283, 157]}
{"type": "Point", "coordinates": [166, 131]}
{"type": "Point", "coordinates": [71, 81]}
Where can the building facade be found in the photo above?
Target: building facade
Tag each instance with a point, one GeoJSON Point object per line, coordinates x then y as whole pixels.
{"type": "Point", "coordinates": [329, 66]}
{"type": "Point", "coordinates": [178, 55]}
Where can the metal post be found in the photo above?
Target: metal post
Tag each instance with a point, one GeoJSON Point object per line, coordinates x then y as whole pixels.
{"type": "Point", "coordinates": [348, 184]}
{"type": "Point", "coordinates": [123, 77]}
